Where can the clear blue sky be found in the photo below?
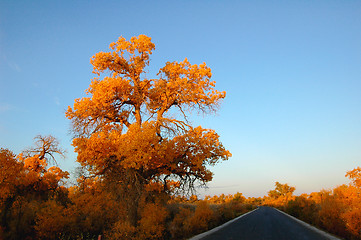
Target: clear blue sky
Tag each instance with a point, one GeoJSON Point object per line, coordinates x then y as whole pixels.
{"type": "Point", "coordinates": [291, 70]}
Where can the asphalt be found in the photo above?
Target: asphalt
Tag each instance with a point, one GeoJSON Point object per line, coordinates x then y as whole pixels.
{"type": "Point", "coordinates": [265, 224]}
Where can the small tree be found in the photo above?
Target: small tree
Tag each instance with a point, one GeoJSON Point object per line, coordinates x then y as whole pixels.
{"type": "Point", "coordinates": [37, 159]}
{"type": "Point", "coordinates": [26, 182]}
{"type": "Point", "coordinates": [133, 131]}
{"type": "Point", "coordinates": [282, 193]}
{"type": "Point", "coordinates": [355, 176]}
{"type": "Point", "coordinates": [281, 190]}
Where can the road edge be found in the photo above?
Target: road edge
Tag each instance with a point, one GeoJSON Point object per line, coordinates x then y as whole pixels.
{"type": "Point", "coordinates": [204, 234]}
{"type": "Point", "coordinates": [313, 228]}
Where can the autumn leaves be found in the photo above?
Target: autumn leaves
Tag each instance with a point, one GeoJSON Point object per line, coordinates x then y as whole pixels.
{"type": "Point", "coordinates": [27, 184]}
{"type": "Point", "coordinates": [124, 121]}
{"type": "Point", "coordinates": [133, 132]}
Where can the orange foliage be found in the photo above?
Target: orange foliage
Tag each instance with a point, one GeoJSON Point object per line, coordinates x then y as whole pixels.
{"type": "Point", "coordinates": [350, 198]}
{"type": "Point", "coordinates": [10, 173]}
{"type": "Point", "coordinates": [193, 216]}
{"type": "Point", "coordinates": [133, 131]}
{"type": "Point", "coordinates": [238, 197]}
{"type": "Point", "coordinates": [355, 176]}
{"type": "Point", "coordinates": [152, 222]}
{"type": "Point", "coordinates": [122, 230]}
{"type": "Point", "coordinates": [152, 225]}
{"type": "Point", "coordinates": [36, 161]}
{"type": "Point", "coordinates": [26, 183]}
{"type": "Point", "coordinates": [94, 208]}
{"type": "Point", "coordinates": [178, 226]}
{"type": "Point", "coordinates": [352, 217]}
{"type": "Point", "coordinates": [337, 211]}
{"type": "Point", "coordinates": [53, 220]}
{"type": "Point", "coordinates": [304, 208]}
{"type": "Point", "coordinates": [329, 214]}
{"type": "Point", "coordinates": [280, 195]}
{"type": "Point", "coordinates": [201, 218]}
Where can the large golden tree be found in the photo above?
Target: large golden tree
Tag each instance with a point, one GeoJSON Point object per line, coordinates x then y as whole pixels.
{"type": "Point", "coordinates": [133, 131]}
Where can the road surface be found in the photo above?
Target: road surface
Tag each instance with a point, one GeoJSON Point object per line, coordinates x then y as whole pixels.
{"type": "Point", "coordinates": [265, 223]}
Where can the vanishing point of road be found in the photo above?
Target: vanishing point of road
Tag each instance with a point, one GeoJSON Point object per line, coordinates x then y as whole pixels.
{"type": "Point", "coordinates": [265, 223]}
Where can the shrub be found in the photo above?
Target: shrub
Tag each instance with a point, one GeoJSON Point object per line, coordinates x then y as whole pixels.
{"type": "Point", "coordinates": [201, 219]}
{"type": "Point", "coordinates": [152, 222]}
{"type": "Point", "coordinates": [177, 227]}
{"type": "Point", "coordinates": [121, 230]}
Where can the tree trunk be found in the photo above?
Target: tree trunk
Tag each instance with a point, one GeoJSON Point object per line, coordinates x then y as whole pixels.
{"type": "Point", "coordinates": [132, 211]}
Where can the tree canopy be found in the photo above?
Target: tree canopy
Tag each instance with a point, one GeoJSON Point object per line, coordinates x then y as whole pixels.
{"type": "Point", "coordinates": [133, 131]}
{"type": "Point", "coordinates": [25, 181]}
{"type": "Point", "coordinates": [281, 190]}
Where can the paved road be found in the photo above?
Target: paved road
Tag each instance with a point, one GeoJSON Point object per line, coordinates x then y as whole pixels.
{"type": "Point", "coordinates": [268, 224]}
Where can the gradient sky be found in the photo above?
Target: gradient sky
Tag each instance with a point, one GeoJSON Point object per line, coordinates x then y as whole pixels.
{"type": "Point", "coordinates": [291, 70]}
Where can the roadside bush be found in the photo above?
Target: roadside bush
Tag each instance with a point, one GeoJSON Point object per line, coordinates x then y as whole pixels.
{"type": "Point", "coordinates": [225, 212]}
{"type": "Point", "coordinates": [201, 220]}
{"type": "Point", "coordinates": [304, 209]}
{"type": "Point", "coordinates": [121, 230]}
{"type": "Point", "coordinates": [353, 220]}
{"type": "Point", "coordinates": [177, 227]}
{"type": "Point", "coordinates": [152, 222]}
{"type": "Point", "coordinates": [53, 220]}
{"type": "Point", "coordinates": [330, 216]}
